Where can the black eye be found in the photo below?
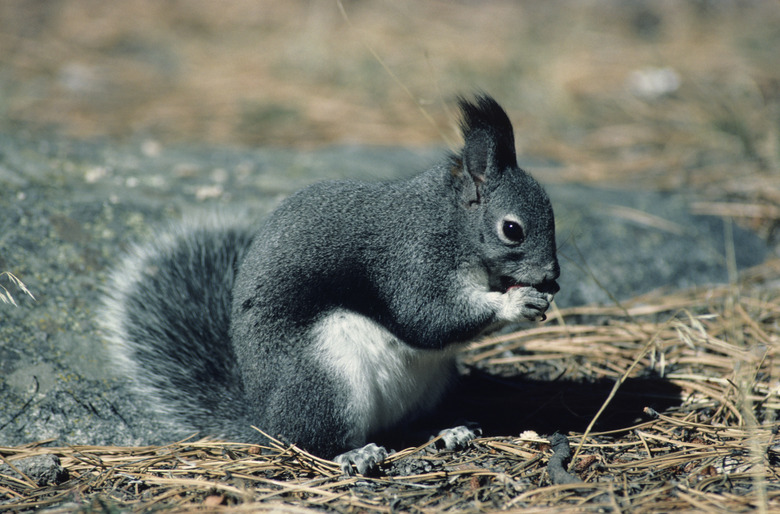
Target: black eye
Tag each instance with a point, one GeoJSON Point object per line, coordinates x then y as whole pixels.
{"type": "Point", "coordinates": [513, 231]}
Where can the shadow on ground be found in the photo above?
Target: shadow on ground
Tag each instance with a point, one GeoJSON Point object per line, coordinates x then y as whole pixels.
{"type": "Point", "coordinates": [503, 406]}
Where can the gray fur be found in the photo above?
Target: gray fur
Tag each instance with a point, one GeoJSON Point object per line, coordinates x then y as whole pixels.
{"type": "Point", "coordinates": [348, 303]}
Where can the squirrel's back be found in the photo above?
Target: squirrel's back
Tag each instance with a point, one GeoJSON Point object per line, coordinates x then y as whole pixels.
{"type": "Point", "coordinates": [166, 314]}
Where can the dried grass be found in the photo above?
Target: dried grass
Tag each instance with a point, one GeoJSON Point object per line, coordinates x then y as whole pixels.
{"type": "Point", "coordinates": [716, 450]}
{"type": "Point", "coordinates": [5, 294]}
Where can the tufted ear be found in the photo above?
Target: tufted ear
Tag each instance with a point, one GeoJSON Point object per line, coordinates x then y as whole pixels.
{"type": "Point", "coordinates": [489, 146]}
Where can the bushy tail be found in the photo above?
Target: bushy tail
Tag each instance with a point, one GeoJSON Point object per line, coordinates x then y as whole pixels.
{"type": "Point", "coordinates": [167, 318]}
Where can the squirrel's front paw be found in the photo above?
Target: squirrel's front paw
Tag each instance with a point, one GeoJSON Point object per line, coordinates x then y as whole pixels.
{"type": "Point", "coordinates": [524, 304]}
{"type": "Point", "coordinates": [365, 459]}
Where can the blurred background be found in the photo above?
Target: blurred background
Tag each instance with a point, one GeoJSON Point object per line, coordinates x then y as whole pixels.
{"type": "Point", "coordinates": [666, 94]}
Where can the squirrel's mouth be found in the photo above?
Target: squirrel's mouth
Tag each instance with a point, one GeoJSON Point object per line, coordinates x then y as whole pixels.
{"type": "Point", "coordinates": [508, 283]}
{"type": "Point", "coordinates": [548, 286]}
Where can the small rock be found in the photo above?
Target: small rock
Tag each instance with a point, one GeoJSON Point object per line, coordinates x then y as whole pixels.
{"type": "Point", "coordinates": [43, 469]}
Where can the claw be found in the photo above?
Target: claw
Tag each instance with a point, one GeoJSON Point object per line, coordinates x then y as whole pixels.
{"type": "Point", "coordinates": [458, 437]}
{"type": "Point", "coordinates": [365, 459]}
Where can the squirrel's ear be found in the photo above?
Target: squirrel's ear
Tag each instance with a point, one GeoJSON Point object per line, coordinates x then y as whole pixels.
{"type": "Point", "coordinates": [468, 185]}
{"type": "Point", "coordinates": [489, 146]}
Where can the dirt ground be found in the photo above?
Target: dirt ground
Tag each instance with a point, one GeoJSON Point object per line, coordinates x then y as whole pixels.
{"type": "Point", "coordinates": [662, 94]}
{"type": "Point", "coordinates": [577, 77]}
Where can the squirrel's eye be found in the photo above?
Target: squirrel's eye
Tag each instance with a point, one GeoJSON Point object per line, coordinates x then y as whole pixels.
{"type": "Point", "coordinates": [512, 230]}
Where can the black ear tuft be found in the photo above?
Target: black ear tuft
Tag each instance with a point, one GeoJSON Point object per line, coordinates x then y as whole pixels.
{"type": "Point", "coordinates": [489, 139]}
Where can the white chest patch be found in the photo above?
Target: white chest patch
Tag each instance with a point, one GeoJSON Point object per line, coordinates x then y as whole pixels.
{"type": "Point", "coordinates": [386, 378]}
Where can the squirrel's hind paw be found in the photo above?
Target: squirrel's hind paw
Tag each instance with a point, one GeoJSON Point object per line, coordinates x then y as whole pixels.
{"type": "Point", "coordinates": [365, 459]}
{"type": "Point", "coordinates": [458, 437]}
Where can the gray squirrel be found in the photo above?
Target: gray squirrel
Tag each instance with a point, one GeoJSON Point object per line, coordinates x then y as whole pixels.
{"type": "Point", "coordinates": [341, 313]}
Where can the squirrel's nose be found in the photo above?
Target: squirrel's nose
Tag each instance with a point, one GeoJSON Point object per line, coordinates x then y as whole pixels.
{"type": "Point", "coordinates": [551, 272]}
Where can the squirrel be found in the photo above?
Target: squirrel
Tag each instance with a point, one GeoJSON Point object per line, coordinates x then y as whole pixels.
{"type": "Point", "coordinates": [340, 314]}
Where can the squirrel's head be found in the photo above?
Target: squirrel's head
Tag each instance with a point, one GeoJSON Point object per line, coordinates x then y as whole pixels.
{"type": "Point", "coordinates": [507, 211]}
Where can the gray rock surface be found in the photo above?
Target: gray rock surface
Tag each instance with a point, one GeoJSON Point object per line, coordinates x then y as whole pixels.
{"type": "Point", "coordinates": [43, 469]}
{"type": "Point", "coordinates": [67, 210]}
{"type": "Point", "coordinates": [619, 244]}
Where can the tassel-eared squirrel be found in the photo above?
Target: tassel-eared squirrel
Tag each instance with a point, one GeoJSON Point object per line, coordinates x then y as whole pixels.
{"type": "Point", "coordinates": [341, 313]}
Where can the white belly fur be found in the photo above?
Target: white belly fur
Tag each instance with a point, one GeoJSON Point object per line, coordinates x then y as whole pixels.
{"type": "Point", "coordinates": [387, 379]}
